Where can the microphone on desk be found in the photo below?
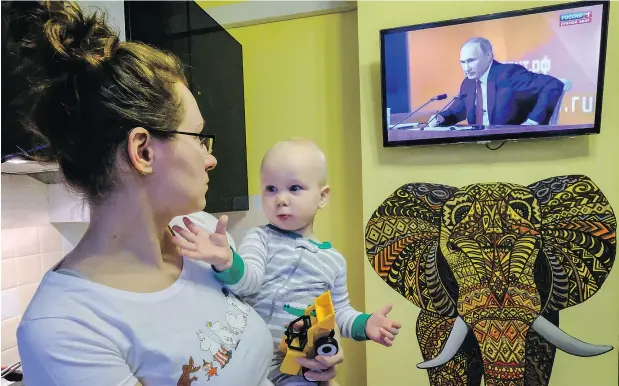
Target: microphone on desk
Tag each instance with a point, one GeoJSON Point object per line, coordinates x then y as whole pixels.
{"type": "Point", "coordinates": [436, 98]}
{"type": "Point", "coordinates": [463, 95]}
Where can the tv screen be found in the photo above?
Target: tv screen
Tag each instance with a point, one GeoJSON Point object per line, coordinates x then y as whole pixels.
{"type": "Point", "coordinates": [521, 74]}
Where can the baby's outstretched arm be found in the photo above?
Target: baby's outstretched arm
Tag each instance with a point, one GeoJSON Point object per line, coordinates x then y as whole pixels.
{"type": "Point", "coordinates": [380, 328]}
{"type": "Point", "coordinates": [242, 275]}
{"type": "Point", "coordinates": [196, 243]}
{"type": "Point", "coordinates": [359, 326]}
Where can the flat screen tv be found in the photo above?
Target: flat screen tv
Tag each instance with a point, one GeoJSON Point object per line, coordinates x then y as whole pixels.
{"type": "Point", "coordinates": [522, 74]}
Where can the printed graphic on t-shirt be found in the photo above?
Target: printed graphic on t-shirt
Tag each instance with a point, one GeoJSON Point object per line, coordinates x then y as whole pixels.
{"type": "Point", "coordinates": [217, 340]}
{"type": "Point", "coordinates": [209, 369]}
{"type": "Point", "coordinates": [188, 369]}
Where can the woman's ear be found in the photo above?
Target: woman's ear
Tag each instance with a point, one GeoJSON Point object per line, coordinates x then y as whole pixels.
{"type": "Point", "coordinates": [140, 150]}
{"type": "Point", "coordinates": [324, 196]}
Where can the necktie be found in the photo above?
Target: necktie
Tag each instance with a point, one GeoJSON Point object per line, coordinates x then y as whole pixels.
{"type": "Point", "coordinates": [479, 105]}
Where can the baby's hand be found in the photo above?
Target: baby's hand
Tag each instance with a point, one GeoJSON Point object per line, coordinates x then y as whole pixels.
{"type": "Point", "coordinates": [197, 243]}
{"type": "Point", "coordinates": [380, 328]}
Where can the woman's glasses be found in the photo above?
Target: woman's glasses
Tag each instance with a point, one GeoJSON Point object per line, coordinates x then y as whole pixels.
{"type": "Point", "coordinates": [206, 140]}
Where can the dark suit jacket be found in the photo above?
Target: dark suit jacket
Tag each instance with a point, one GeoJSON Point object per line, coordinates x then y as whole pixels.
{"type": "Point", "coordinates": [514, 95]}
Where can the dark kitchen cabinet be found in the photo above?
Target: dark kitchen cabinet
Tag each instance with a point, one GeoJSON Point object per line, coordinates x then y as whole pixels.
{"type": "Point", "coordinates": [214, 67]}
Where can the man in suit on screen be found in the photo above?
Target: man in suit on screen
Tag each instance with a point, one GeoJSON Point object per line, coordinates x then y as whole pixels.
{"type": "Point", "coordinates": [499, 93]}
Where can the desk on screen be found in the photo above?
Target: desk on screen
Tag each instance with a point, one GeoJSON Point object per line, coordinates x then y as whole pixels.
{"type": "Point", "coordinates": [416, 131]}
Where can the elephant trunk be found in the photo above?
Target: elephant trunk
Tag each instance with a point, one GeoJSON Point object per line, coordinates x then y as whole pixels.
{"type": "Point", "coordinates": [502, 345]}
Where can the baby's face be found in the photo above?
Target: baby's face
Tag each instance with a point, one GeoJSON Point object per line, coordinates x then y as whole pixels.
{"type": "Point", "coordinates": [291, 190]}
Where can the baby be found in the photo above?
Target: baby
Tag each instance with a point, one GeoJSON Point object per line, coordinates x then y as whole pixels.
{"type": "Point", "coordinates": [282, 265]}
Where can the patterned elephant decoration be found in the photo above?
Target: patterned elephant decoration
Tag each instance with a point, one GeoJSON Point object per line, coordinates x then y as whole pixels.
{"type": "Point", "coordinates": [490, 266]}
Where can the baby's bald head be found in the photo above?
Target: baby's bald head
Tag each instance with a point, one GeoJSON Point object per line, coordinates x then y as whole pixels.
{"type": "Point", "coordinates": [299, 155]}
{"type": "Point", "coordinates": [293, 177]}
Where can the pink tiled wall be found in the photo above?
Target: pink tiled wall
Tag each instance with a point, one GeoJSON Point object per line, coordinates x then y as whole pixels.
{"type": "Point", "coordinates": [30, 246]}
{"type": "Point", "coordinates": [26, 254]}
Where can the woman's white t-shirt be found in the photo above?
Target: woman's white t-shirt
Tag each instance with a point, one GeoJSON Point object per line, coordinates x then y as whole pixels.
{"type": "Point", "coordinates": [193, 333]}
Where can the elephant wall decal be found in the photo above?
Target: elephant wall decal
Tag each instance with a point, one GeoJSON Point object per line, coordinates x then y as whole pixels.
{"type": "Point", "coordinates": [490, 266]}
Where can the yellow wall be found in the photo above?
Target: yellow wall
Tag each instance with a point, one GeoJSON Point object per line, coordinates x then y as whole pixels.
{"type": "Point", "coordinates": [597, 320]}
{"type": "Point", "coordinates": [213, 4]}
{"type": "Point", "coordinates": [301, 79]}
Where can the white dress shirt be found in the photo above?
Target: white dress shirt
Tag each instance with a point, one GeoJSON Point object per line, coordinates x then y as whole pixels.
{"type": "Point", "coordinates": [484, 91]}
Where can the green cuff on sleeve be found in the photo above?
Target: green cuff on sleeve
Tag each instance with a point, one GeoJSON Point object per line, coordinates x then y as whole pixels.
{"type": "Point", "coordinates": [234, 274]}
{"type": "Point", "coordinates": [357, 331]}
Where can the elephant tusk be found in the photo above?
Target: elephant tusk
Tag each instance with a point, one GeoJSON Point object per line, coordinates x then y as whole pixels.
{"type": "Point", "coordinates": [565, 342]}
{"type": "Point", "coordinates": [456, 337]}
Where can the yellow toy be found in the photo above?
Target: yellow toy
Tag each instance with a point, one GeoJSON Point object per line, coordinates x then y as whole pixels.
{"type": "Point", "coordinates": [314, 337]}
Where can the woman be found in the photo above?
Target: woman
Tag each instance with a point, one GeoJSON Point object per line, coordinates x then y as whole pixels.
{"type": "Point", "coordinates": [124, 307]}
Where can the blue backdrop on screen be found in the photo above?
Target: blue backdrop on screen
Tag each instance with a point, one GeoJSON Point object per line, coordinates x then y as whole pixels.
{"type": "Point", "coordinates": [396, 73]}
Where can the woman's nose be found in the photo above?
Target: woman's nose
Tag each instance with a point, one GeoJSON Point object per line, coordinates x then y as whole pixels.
{"type": "Point", "coordinates": [210, 162]}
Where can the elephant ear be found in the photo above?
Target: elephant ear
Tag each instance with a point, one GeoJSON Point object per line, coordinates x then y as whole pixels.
{"type": "Point", "coordinates": [402, 244]}
{"type": "Point", "coordinates": [578, 233]}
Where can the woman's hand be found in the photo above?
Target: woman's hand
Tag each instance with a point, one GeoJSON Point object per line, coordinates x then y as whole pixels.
{"type": "Point", "coordinates": [322, 368]}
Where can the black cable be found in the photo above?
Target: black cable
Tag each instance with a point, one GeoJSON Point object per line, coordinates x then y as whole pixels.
{"type": "Point", "coordinates": [496, 148]}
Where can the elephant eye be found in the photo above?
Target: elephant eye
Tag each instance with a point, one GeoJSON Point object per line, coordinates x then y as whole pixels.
{"type": "Point", "coordinates": [507, 244]}
{"type": "Point", "coordinates": [522, 209]}
{"type": "Point", "coordinates": [460, 213]}
{"type": "Point", "coordinates": [453, 247]}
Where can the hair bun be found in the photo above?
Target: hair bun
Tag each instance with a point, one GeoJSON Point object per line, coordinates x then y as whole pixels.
{"type": "Point", "coordinates": [57, 36]}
